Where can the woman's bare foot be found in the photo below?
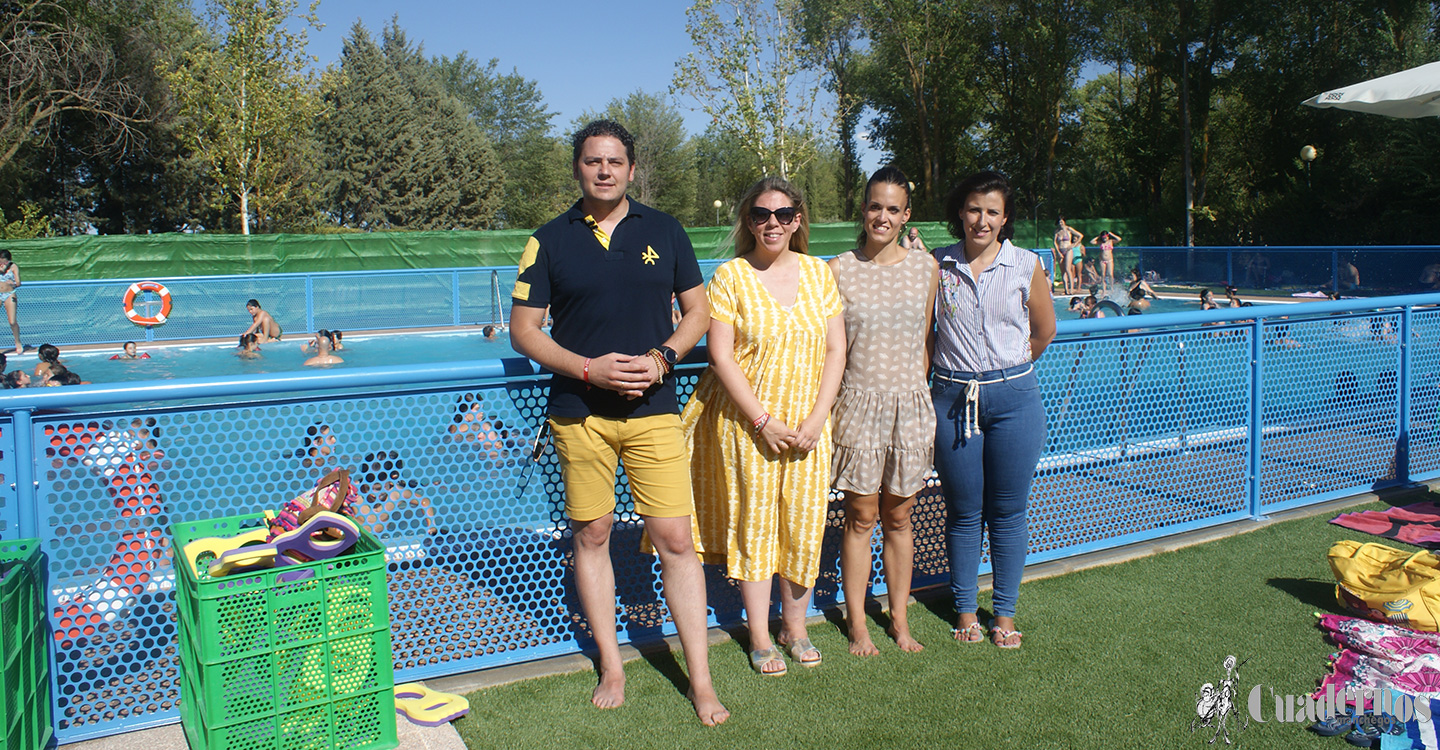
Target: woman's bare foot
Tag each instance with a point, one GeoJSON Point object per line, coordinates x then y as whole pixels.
{"type": "Point", "coordinates": [860, 643]}
{"type": "Point", "coordinates": [903, 639]}
{"type": "Point", "coordinates": [707, 706]}
{"type": "Point", "coordinates": [19, 350]}
{"type": "Point", "coordinates": [610, 692]}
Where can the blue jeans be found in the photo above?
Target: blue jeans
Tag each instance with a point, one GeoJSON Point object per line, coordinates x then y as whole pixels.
{"type": "Point", "coordinates": [986, 477]}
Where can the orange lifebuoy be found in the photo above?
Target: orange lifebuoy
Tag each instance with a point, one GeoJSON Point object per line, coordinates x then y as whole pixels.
{"type": "Point", "coordinates": [148, 286]}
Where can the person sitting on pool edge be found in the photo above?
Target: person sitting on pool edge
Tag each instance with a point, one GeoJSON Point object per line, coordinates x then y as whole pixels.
{"type": "Point", "coordinates": [262, 323]}
{"type": "Point", "coordinates": [128, 352]}
{"type": "Point", "coordinates": [324, 343]}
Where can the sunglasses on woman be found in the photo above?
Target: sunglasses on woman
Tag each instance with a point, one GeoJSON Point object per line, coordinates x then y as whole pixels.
{"type": "Point", "coordinates": [760, 215]}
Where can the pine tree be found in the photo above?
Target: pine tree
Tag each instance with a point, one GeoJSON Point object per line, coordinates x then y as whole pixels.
{"type": "Point", "coordinates": [399, 151]}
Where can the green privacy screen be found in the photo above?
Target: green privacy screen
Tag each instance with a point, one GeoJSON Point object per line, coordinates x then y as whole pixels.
{"type": "Point", "coordinates": [164, 255]}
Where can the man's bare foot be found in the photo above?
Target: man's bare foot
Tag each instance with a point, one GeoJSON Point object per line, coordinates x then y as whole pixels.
{"type": "Point", "coordinates": [860, 643]}
{"type": "Point", "coordinates": [707, 706]}
{"type": "Point", "coordinates": [18, 351]}
{"type": "Point", "coordinates": [610, 692]}
{"type": "Point", "coordinates": [903, 639]}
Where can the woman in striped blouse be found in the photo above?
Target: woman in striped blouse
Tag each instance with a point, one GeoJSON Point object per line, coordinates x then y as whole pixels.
{"type": "Point", "coordinates": [993, 317]}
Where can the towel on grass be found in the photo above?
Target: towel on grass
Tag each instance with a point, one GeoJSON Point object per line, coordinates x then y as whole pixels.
{"type": "Point", "coordinates": [1417, 524]}
{"type": "Point", "coordinates": [1375, 656]}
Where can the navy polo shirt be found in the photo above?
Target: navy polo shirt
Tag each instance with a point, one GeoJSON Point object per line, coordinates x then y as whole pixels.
{"type": "Point", "coordinates": [604, 300]}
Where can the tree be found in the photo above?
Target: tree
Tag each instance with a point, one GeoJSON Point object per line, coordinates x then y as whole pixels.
{"type": "Point", "coordinates": [830, 31]}
{"type": "Point", "coordinates": [724, 171]}
{"type": "Point", "coordinates": [400, 151]}
{"type": "Point", "coordinates": [665, 175]}
{"type": "Point", "coordinates": [747, 75]}
{"type": "Point", "coordinates": [1032, 54]}
{"type": "Point", "coordinates": [248, 102]}
{"type": "Point", "coordinates": [78, 175]}
{"type": "Point", "coordinates": [919, 80]}
{"type": "Point", "coordinates": [513, 114]}
{"type": "Point", "coordinates": [53, 62]}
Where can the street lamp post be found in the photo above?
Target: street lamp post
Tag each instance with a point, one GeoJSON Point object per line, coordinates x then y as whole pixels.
{"type": "Point", "coordinates": [717, 205]}
{"type": "Point", "coordinates": [1307, 155]}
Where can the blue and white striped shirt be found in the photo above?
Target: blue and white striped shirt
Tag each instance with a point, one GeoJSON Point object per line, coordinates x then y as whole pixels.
{"type": "Point", "coordinates": [983, 324]}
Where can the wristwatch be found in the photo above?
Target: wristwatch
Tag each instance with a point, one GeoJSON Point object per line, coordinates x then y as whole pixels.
{"type": "Point", "coordinates": [670, 357]}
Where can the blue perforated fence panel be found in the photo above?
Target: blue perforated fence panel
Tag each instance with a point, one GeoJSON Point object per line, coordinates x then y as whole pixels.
{"type": "Point", "coordinates": [1424, 350]}
{"type": "Point", "coordinates": [1330, 406]}
{"type": "Point", "coordinates": [1149, 433]}
{"type": "Point", "coordinates": [9, 504]}
{"type": "Point", "coordinates": [1146, 436]}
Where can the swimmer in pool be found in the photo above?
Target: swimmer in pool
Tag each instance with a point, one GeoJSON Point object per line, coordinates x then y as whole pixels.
{"type": "Point", "coordinates": [1233, 296]}
{"type": "Point", "coordinates": [17, 379]}
{"type": "Point", "coordinates": [1139, 290]}
{"type": "Point", "coordinates": [49, 357]}
{"type": "Point", "coordinates": [324, 342]}
{"type": "Point", "coordinates": [1207, 300]}
{"type": "Point", "coordinates": [128, 352]}
{"type": "Point", "coordinates": [488, 332]}
{"type": "Point", "coordinates": [261, 323]}
{"type": "Point", "coordinates": [249, 347]}
{"type": "Point", "coordinates": [339, 340]}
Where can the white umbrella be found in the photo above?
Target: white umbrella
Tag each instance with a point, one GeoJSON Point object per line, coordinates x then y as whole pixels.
{"type": "Point", "coordinates": [1409, 93]}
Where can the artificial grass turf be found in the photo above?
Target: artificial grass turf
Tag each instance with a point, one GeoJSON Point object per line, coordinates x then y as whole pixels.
{"type": "Point", "coordinates": [1113, 657]}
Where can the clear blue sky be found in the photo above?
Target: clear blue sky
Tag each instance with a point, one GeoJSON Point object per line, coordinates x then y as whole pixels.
{"type": "Point", "coordinates": [582, 53]}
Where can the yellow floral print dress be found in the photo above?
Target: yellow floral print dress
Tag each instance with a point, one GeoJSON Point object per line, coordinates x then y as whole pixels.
{"type": "Point", "coordinates": [756, 513]}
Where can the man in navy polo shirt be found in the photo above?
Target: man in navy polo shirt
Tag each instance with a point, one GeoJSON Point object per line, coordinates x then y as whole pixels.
{"type": "Point", "coordinates": [607, 269]}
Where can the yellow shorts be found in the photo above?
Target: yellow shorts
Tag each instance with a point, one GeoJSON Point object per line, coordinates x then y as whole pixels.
{"type": "Point", "coordinates": [652, 449]}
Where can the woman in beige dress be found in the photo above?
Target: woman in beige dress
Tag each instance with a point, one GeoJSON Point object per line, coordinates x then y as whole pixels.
{"type": "Point", "coordinates": [884, 431]}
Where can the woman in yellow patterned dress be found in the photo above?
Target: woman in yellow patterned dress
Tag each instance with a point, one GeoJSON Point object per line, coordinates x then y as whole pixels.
{"type": "Point", "coordinates": [759, 418]}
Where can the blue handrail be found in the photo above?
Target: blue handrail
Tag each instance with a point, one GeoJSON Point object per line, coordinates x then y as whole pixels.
{"type": "Point", "coordinates": [1235, 315]}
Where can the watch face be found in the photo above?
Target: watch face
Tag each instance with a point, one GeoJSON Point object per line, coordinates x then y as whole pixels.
{"type": "Point", "coordinates": [669, 354]}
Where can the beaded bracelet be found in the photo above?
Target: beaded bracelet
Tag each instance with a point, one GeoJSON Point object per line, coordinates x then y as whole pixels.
{"type": "Point", "coordinates": [660, 368]}
{"type": "Point", "coordinates": [761, 421]}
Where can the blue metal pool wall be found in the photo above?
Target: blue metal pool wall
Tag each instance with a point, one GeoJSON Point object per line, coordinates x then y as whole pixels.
{"type": "Point", "coordinates": [1157, 425]}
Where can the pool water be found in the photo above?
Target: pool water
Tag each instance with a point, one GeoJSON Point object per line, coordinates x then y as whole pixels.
{"type": "Point", "coordinates": [1157, 306]}
{"type": "Point", "coordinates": [207, 360]}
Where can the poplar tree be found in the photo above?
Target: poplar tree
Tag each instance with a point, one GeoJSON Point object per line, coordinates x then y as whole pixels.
{"type": "Point", "coordinates": [747, 75]}
{"type": "Point", "coordinates": [248, 102]}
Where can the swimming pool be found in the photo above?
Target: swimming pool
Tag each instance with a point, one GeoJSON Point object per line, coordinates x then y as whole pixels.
{"type": "Point", "coordinates": [170, 361]}
{"type": "Point", "coordinates": [206, 360]}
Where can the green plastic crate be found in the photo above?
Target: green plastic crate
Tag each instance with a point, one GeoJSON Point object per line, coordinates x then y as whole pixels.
{"type": "Point", "coordinates": [251, 687]}
{"type": "Point", "coordinates": [258, 612]}
{"type": "Point", "coordinates": [365, 721]}
{"type": "Point", "coordinates": [19, 594]}
{"type": "Point", "coordinates": [24, 660]}
{"type": "Point", "coordinates": [295, 658]}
